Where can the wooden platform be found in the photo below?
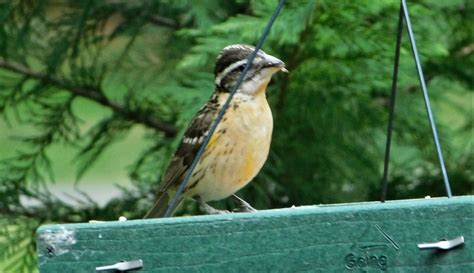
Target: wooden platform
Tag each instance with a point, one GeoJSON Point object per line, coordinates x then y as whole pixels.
{"type": "Point", "coordinates": [359, 237]}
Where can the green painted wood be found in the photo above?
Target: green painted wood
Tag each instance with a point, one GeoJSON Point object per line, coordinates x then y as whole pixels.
{"type": "Point", "coordinates": [361, 237]}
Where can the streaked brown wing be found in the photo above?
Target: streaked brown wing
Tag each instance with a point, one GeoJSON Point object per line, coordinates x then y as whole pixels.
{"type": "Point", "coordinates": [182, 159]}
{"type": "Point", "coordinates": [192, 140]}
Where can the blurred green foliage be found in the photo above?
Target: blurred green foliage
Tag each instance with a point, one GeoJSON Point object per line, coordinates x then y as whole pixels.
{"type": "Point", "coordinates": [149, 64]}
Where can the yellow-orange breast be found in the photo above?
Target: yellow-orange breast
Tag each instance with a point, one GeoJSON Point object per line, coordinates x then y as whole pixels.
{"type": "Point", "coordinates": [237, 150]}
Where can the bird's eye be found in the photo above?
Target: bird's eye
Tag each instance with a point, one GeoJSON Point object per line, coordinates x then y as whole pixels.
{"type": "Point", "coordinates": [241, 68]}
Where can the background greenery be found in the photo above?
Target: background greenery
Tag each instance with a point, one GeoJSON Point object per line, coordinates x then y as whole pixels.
{"type": "Point", "coordinates": [93, 90]}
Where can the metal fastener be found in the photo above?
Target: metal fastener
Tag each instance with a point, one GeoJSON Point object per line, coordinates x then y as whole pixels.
{"type": "Point", "coordinates": [122, 266]}
{"type": "Point", "coordinates": [443, 244]}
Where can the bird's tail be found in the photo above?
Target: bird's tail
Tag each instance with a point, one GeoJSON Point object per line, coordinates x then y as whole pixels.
{"type": "Point", "coordinates": [161, 204]}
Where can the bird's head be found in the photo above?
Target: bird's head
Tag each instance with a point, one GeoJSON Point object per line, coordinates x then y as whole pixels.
{"type": "Point", "coordinates": [231, 63]}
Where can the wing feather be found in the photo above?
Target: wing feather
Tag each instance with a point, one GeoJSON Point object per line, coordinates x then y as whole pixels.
{"type": "Point", "coordinates": [184, 155]}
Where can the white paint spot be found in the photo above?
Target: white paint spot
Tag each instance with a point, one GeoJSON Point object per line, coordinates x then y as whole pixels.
{"type": "Point", "coordinates": [59, 240]}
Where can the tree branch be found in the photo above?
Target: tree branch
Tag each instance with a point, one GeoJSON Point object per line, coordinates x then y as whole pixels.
{"type": "Point", "coordinates": [94, 94]}
{"type": "Point", "coordinates": [163, 21]}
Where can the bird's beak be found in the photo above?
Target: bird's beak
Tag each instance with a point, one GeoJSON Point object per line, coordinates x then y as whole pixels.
{"type": "Point", "coordinates": [281, 67]}
{"type": "Point", "coordinates": [271, 61]}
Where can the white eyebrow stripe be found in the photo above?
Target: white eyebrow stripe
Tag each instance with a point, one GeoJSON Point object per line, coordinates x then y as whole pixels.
{"type": "Point", "coordinates": [239, 46]}
{"type": "Point", "coordinates": [228, 69]}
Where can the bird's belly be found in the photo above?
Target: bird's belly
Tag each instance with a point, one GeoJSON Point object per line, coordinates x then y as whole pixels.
{"type": "Point", "coordinates": [235, 154]}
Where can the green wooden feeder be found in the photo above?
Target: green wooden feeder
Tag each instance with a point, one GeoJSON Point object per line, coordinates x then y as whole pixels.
{"type": "Point", "coordinates": [421, 235]}
{"type": "Point", "coordinates": [361, 237]}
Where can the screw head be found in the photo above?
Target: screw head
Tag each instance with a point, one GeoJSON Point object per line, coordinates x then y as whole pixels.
{"type": "Point", "coordinates": [50, 250]}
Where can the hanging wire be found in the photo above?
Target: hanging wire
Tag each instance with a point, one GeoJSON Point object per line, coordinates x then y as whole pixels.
{"type": "Point", "coordinates": [427, 100]}
{"type": "Point", "coordinates": [221, 113]}
{"type": "Point", "coordinates": [404, 12]}
{"type": "Point", "coordinates": [392, 105]}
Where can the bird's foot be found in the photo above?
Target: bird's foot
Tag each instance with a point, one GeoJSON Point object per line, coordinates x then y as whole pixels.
{"type": "Point", "coordinates": [244, 206]}
{"type": "Point", "coordinates": [209, 209]}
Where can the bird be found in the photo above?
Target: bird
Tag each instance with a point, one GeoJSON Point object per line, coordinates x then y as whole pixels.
{"type": "Point", "coordinates": [239, 146]}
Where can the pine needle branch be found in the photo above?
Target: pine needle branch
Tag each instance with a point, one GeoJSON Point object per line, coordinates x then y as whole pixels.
{"type": "Point", "coordinates": [94, 94]}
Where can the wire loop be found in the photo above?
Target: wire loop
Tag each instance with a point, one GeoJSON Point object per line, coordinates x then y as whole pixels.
{"type": "Point", "coordinates": [404, 14]}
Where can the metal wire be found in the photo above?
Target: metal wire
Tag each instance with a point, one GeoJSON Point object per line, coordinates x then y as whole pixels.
{"type": "Point", "coordinates": [221, 113]}
{"type": "Point", "coordinates": [392, 106]}
{"type": "Point", "coordinates": [427, 100]}
{"type": "Point", "coordinates": [404, 12]}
